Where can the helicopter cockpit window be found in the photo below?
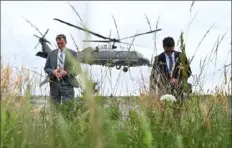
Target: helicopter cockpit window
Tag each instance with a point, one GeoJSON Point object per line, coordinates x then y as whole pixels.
{"type": "Point", "coordinates": [88, 49]}
{"type": "Point", "coordinates": [133, 54]}
{"type": "Point", "coordinates": [140, 55]}
{"type": "Point", "coordinates": [96, 49]}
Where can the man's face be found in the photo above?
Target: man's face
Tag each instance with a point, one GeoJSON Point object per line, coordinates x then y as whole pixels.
{"type": "Point", "coordinates": [61, 43]}
{"type": "Point", "coordinates": [169, 49]}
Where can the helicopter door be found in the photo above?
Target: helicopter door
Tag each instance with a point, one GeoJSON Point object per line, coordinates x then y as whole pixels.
{"type": "Point", "coordinates": [118, 54]}
{"type": "Point", "coordinates": [133, 55]}
{"type": "Point", "coordinates": [118, 58]}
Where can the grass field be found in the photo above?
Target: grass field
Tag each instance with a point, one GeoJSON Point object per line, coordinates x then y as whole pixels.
{"type": "Point", "coordinates": [148, 125]}
{"type": "Point", "coordinates": [98, 122]}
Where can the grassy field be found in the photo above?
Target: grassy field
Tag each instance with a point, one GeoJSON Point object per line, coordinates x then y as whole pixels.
{"type": "Point", "coordinates": [98, 122]}
{"type": "Point", "coordinates": [150, 124]}
{"type": "Point", "coordinates": [95, 121]}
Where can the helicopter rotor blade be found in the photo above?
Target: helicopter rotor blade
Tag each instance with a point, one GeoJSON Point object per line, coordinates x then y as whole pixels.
{"type": "Point", "coordinates": [105, 41]}
{"type": "Point", "coordinates": [80, 28]}
{"type": "Point", "coordinates": [141, 34]}
{"type": "Point", "coordinates": [37, 45]}
{"type": "Point", "coordinates": [102, 41]}
{"type": "Point", "coordinates": [36, 35]}
{"type": "Point", "coordinates": [132, 44]}
{"type": "Point", "coordinates": [45, 33]}
{"type": "Point", "coordinates": [103, 37]}
{"type": "Point", "coordinates": [33, 26]}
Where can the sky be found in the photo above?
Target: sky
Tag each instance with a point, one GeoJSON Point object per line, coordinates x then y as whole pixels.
{"type": "Point", "coordinates": [18, 43]}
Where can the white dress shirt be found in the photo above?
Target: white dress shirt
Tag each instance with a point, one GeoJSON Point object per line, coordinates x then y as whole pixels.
{"type": "Point", "coordinates": [168, 60]}
{"type": "Point", "coordinates": [58, 55]}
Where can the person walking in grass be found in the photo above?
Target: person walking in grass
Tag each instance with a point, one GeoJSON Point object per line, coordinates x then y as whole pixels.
{"type": "Point", "coordinates": [169, 75]}
{"type": "Point", "coordinates": [61, 71]}
{"type": "Point", "coordinates": [170, 71]}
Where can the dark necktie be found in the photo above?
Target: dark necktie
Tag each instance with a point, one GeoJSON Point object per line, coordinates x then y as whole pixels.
{"type": "Point", "coordinates": [61, 62]}
{"type": "Point", "coordinates": [170, 63]}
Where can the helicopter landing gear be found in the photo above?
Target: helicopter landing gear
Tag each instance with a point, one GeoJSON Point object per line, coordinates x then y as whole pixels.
{"type": "Point", "coordinates": [118, 67]}
{"type": "Point", "coordinates": [125, 69]}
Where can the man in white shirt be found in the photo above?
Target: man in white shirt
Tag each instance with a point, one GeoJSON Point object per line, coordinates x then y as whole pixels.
{"type": "Point", "coordinates": [172, 68]}
{"type": "Point", "coordinates": [62, 71]}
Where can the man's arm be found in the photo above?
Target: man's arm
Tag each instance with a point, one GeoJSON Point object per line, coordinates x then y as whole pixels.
{"type": "Point", "coordinates": [73, 68]}
{"type": "Point", "coordinates": [186, 69]}
{"type": "Point", "coordinates": [154, 67]}
{"type": "Point", "coordinates": [47, 67]}
{"type": "Point", "coordinates": [153, 72]}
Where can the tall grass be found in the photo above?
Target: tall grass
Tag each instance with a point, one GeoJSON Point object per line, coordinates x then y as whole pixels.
{"type": "Point", "coordinates": [97, 122]}
{"type": "Point", "coordinates": [100, 122]}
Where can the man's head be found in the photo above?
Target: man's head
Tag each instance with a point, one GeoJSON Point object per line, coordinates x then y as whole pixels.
{"type": "Point", "coordinates": [168, 44]}
{"type": "Point", "coordinates": [61, 41]}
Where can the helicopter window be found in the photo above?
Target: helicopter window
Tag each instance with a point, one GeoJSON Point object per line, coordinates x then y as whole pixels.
{"type": "Point", "coordinates": [96, 50]}
{"type": "Point", "coordinates": [140, 55]}
{"type": "Point", "coordinates": [133, 54]}
{"type": "Point", "coordinates": [118, 54]}
{"type": "Point", "coordinates": [88, 49]}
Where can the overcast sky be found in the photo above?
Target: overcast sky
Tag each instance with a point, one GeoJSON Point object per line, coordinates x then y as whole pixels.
{"type": "Point", "coordinates": [18, 42]}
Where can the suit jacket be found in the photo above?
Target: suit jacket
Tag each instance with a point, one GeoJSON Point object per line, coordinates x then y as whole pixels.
{"type": "Point", "coordinates": [182, 69]}
{"type": "Point", "coordinates": [69, 66]}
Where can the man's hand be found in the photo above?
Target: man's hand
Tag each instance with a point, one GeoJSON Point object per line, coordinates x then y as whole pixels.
{"type": "Point", "coordinates": [59, 73]}
{"type": "Point", "coordinates": [63, 73]}
{"type": "Point", "coordinates": [56, 73]}
{"type": "Point", "coordinates": [174, 82]}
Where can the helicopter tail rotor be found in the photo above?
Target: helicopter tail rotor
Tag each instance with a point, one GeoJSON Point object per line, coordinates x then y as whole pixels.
{"type": "Point", "coordinates": [42, 39]}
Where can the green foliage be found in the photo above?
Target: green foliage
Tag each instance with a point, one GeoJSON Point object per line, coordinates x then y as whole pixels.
{"type": "Point", "coordinates": [74, 124]}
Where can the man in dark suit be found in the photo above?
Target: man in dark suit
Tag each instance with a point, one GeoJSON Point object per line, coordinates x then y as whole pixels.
{"type": "Point", "coordinates": [170, 71]}
{"type": "Point", "coordinates": [62, 71]}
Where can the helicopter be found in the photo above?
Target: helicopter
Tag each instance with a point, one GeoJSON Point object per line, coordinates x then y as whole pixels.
{"type": "Point", "coordinates": [104, 55]}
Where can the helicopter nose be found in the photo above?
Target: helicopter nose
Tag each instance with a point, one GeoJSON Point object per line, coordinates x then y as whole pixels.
{"type": "Point", "coordinates": [145, 61]}
{"type": "Point", "coordinates": [148, 63]}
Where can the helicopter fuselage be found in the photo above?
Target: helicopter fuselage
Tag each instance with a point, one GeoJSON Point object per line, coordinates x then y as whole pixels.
{"type": "Point", "coordinates": [113, 58]}
{"type": "Point", "coordinates": [104, 56]}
